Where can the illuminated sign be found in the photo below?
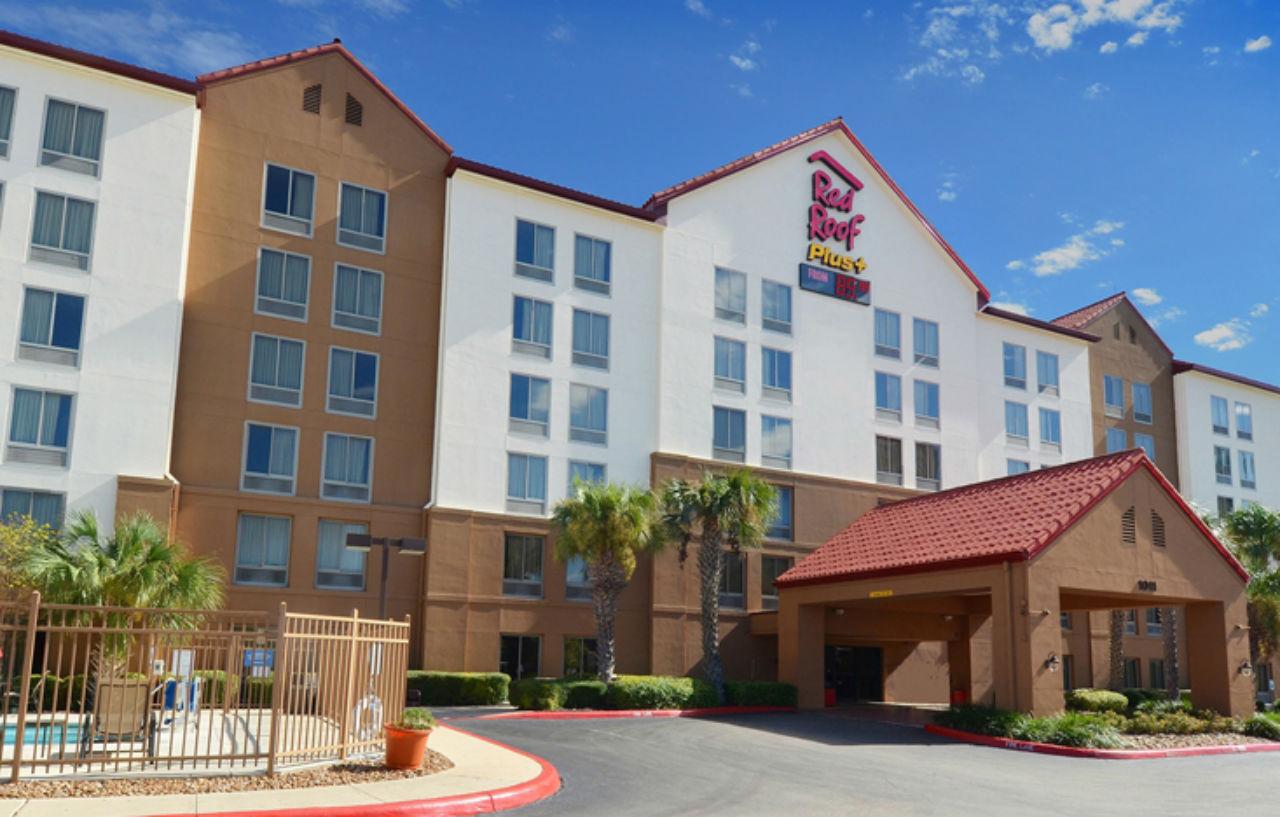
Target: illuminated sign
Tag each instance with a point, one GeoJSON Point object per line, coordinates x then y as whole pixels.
{"type": "Point", "coordinates": [835, 284]}
{"type": "Point", "coordinates": [831, 218]}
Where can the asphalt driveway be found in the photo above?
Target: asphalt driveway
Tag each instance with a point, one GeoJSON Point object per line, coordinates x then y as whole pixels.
{"type": "Point", "coordinates": [808, 763]}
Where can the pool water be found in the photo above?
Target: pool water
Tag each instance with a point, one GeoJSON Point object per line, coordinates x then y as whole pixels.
{"type": "Point", "coordinates": [42, 733]}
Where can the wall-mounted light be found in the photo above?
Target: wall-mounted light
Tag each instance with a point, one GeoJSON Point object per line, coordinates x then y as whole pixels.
{"type": "Point", "coordinates": [1245, 668]}
{"type": "Point", "coordinates": [1241, 627]}
{"type": "Point", "coordinates": [1052, 662]}
{"type": "Point", "coordinates": [839, 611]}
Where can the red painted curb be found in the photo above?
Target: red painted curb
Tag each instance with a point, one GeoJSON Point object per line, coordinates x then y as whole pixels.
{"type": "Point", "coordinates": [545, 784]}
{"type": "Point", "coordinates": [596, 714]}
{"type": "Point", "coordinates": [1099, 754]}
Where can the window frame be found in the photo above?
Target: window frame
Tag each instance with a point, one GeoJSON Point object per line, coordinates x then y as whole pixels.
{"type": "Point", "coordinates": [1244, 430]}
{"type": "Point", "coordinates": [525, 504]}
{"type": "Point", "coordinates": [1221, 456]}
{"type": "Point", "coordinates": [575, 590]}
{"type": "Point", "coordinates": [1050, 442]}
{"type": "Point", "coordinates": [591, 359]}
{"type": "Point", "coordinates": [39, 453]}
{"type": "Point", "coordinates": [352, 321]}
{"type": "Point", "coordinates": [725, 313]}
{"type": "Point", "coordinates": [1022, 440]}
{"type": "Point", "coordinates": [1249, 474]}
{"type": "Point", "coordinates": [600, 286]}
{"type": "Point", "coordinates": [288, 559]}
{"type": "Point", "coordinates": [887, 412]}
{"type": "Point", "coordinates": [885, 476]}
{"type": "Point", "coordinates": [50, 352]}
{"type": "Point", "coordinates": [1014, 467]}
{"type": "Point", "coordinates": [729, 453]}
{"type": "Point", "coordinates": [338, 229]}
{"type": "Point", "coordinates": [1109, 408]}
{"type": "Point", "coordinates": [517, 673]}
{"type": "Point", "coordinates": [1150, 448]}
{"type": "Point", "coordinates": [302, 372]}
{"type": "Point", "coordinates": [769, 600]}
{"type": "Point", "coordinates": [1154, 625]}
{"type": "Point", "coordinates": [729, 598]}
{"type": "Point", "coordinates": [776, 531]}
{"type": "Point", "coordinates": [6, 144]}
{"type": "Point", "coordinates": [364, 556]}
{"type": "Point", "coordinates": [589, 434]}
{"type": "Point", "coordinates": [523, 587]}
{"type": "Point", "coordinates": [1124, 440]}
{"type": "Point", "coordinates": [924, 358]}
{"type": "Point", "coordinates": [929, 387]}
{"type": "Point", "coordinates": [585, 668]}
{"type": "Point", "coordinates": [1214, 402]}
{"type": "Point", "coordinates": [259, 298]}
{"type": "Point", "coordinates": [893, 352]}
{"type": "Point", "coordinates": [1014, 365]}
{"type": "Point", "coordinates": [330, 397]}
{"type": "Point", "coordinates": [773, 324]}
{"type": "Point", "coordinates": [32, 493]}
{"type": "Point", "coordinates": [1131, 622]}
{"type": "Point", "coordinates": [773, 390]}
{"type": "Point", "coordinates": [726, 382]}
{"type": "Point", "coordinates": [528, 425]}
{"type": "Point", "coordinates": [533, 348]}
{"type": "Point", "coordinates": [68, 161]}
{"type": "Point", "coordinates": [286, 219]}
{"type": "Point", "coordinates": [604, 473]}
{"type": "Point", "coordinates": [776, 460]}
{"type": "Point", "coordinates": [923, 481]}
{"type": "Point", "coordinates": [244, 460]}
{"type": "Point", "coordinates": [60, 256]}
{"type": "Point", "coordinates": [339, 484]}
{"type": "Point", "coordinates": [1042, 384]}
{"type": "Point", "coordinates": [1147, 417]}
{"type": "Point", "coordinates": [528, 269]}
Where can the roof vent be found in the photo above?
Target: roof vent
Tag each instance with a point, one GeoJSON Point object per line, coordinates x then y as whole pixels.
{"type": "Point", "coordinates": [311, 99]}
{"type": "Point", "coordinates": [355, 111]}
{"type": "Point", "coordinates": [1128, 528]}
{"type": "Point", "coordinates": [1157, 530]}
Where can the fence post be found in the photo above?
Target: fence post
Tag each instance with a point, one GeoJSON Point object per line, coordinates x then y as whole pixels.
{"type": "Point", "coordinates": [28, 653]}
{"type": "Point", "coordinates": [277, 687]}
{"type": "Point", "coordinates": [348, 692]}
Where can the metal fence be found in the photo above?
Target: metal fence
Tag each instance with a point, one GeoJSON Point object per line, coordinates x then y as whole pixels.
{"type": "Point", "coordinates": [94, 690]}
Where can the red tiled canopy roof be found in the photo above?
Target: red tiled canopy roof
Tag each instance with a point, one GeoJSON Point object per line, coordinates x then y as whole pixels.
{"type": "Point", "coordinates": [1085, 315]}
{"type": "Point", "coordinates": [1003, 520]}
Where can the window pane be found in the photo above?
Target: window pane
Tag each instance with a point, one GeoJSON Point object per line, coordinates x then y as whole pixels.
{"type": "Point", "coordinates": [1116, 440]}
{"type": "Point", "coordinates": [282, 449]}
{"type": "Point", "coordinates": [302, 195]}
{"type": "Point", "coordinates": [524, 242]}
{"type": "Point", "coordinates": [24, 426]}
{"type": "Point", "coordinates": [47, 229]}
{"type": "Point", "coordinates": [544, 248]}
{"type": "Point", "coordinates": [88, 137]}
{"type": "Point", "coordinates": [277, 195]}
{"type": "Point", "coordinates": [79, 229]}
{"type": "Point", "coordinates": [59, 126]}
{"type": "Point", "coordinates": [7, 96]}
{"type": "Point", "coordinates": [37, 317]}
{"type": "Point", "coordinates": [55, 426]}
{"type": "Point", "coordinates": [517, 475]}
{"type": "Point", "coordinates": [366, 377]}
{"type": "Point", "coordinates": [68, 319]}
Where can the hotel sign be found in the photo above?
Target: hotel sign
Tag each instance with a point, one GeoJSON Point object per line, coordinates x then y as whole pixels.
{"type": "Point", "coordinates": [832, 221]}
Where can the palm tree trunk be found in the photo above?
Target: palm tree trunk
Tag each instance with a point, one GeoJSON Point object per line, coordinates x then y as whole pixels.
{"type": "Point", "coordinates": [608, 580]}
{"type": "Point", "coordinates": [1116, 677]}
{"type": "Point", "coordinates": [710, 565]}
{"type": "Point", "coordinates": [1169, 615]}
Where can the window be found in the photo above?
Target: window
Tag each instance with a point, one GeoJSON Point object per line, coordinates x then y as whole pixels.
{"type": "Point", "coordinates": [925, 336]}
{"type": "Point", "coordinates": [926, 404]}
{"type": "Point", "coordinates": [775, 441]}
{"type": "Point", "coordinates": [1130, 623]}
{"type": "Point", "coordinates": [362, 218]}
{"type": "Point", "coordinates": [1131, 680]}
{"type": "Point", "coordinates": [1015, 423]}
{"type": "Point", "coordinates": [776, 377]}
{"type": "Point", "coordinates": [928, 466]}
{"type": "Point", "coordinates": [1221, 421]}
{"type": "Point", "coordinates": [270, 459]}
{"type": "Point", "coordinates": [1222, 464]}
{"type": "Point", "coordinates": [530, 405]}
{"type": "Point", "coordinates": [588, 414]}
{"type": "Point", "coordinates": [782, 524]}
{"type": "Point", "coordinates": [1244, 421]}
{"type": "Point", "coordinates": [348, 467]}
{"type": "Point", "coordinates": [1263, 673]}
{"type": "Point", "coordinates": [44, 508]}
{"type": "Point", "coordinates": [1050, 429]}
{"type": "Point", "coordinates": [40, 427]}
{"type": "Point", "coordinates": [275, 370]}
{"type": "Point", "coordinates": [262, 550]}
{"type": "Point", "coordinates": [357, 299]}
{"type": "Point", "coordinates": [1247, 477]}
{"type": "Point", "coordinates": [731, 365]}
{"type": "Point", "coordinates": [733, 581]}
{"type": "Point", "coordinates": [72, 137]}
{"type": "Point", "coordinates": [888, 334]}
{"type": "Point", "coordinates": [51, 327]}
{"type": "Point", "coordinates": [585, 472]}
{"type": "Point", "coordinates": [1142, 403]}
{"type": "Point", "coordinates": [535, 251]}
{"type": "Point", "coordinates": [337, 566]}
{"type": "Point", "coordinates": [288, 200]}
{"type": "Point", "coordinates": [590, 339]}
{"type": "Point", "coordinates": [7, 98]}
{"type": "Point", "coordinates": [1147, 443]}
{"type": "Point", "coordinates": [522, 566]}
{"type": "Point", "coordinates": [526, 483]}
{"type": "Point", "coordinates": [591, 264]}
{"type": "Point", "coordinates": [577, 585]}
{"type": "Point", "coordinates": [580, 657]}
{"type": "Point", "coordinates": [1226, 505]}
{"type": "Point", "coordinates": [1154, 623]}
{"type": "Point", "coordinates": [731, 296]}
{"type": "Point", "coordinates": [1068, 673]}
{"type": "Point", "coordinates": [1064, 621]}
{"type": "Point", "coordinates": [775, 306]}
{"type": "Point", "coordinates": [1015, 366]}
{"type": "Point", "coordinates": [1113, 395]}
{"type": "Point", "coordinates": [62, 232]}
{"type": "Point", "coordinates": [771, 567]}
{"type": "Point", "coordinates": [1117, 440]}
{"type": "Point", "coordinates": [1047, 372]}
{"type": "Point", "coordinates": [888, 397]}
{"type": "Point", "coordinates": [1015, 467]}
{"type": "Point", "coordinates": [531, 327]}
{"type": "Point", "coordinates": [1155, 678]}
{"type": "Point", "coordinates": [729, 436]}
{"type": "Point", "coordinates": [353, 382]}
{"type": "Point", "coordinates": [888, 461]}
{"type": "Point", "coordinates": [520, 656]}
{"type": "Point", "coordinates": [284, 279]}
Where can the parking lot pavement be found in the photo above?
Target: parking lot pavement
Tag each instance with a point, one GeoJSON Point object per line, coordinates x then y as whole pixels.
{"type": "Point", "coordinates": [809, 763]}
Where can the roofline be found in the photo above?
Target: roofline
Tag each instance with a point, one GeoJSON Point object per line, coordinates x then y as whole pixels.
{"type": "Point", "coordinates": [1124, 298]}
{"type": "Point", "coordinates": [1117, 295]}
{"type": "Point", "coordinates": [98, 63]}
{"type": "Point", "coordinates": [335, 47]}
{"type": "Point", "coordinates": [658, 201]}
{"type": "Point", "coordinates": [1004, 314]}
{"type": "Point", "coordinates": [926, 567]}
{"type": "Point", "coordinates": [457, 163]}
{"type": "Point", "coordinates": [1195, 518]}
{"type": "Point", "coordinates": [1183, 366]}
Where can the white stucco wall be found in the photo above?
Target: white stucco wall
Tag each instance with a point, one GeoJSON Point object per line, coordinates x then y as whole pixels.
{"type": "Point", "coordinates": [124, 385]}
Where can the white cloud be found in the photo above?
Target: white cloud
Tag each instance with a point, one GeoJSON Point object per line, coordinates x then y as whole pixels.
{"type": "Point", "coordinates": [1260, 44]}
{"type": "Point", "coordinates": [743, 63]}
{"type": "Point", "coordinates": [1147, 297]}
{"type": "Point", "coordinates": [744, 90]}
{"type": "Point", "coordinates": [1015, 265]}
{"type": "Point", "coordinates": [698, 7]}
{"type": "Point", "coordinates": [1109, 47]}
{"type": "Point", "coordinates": [1056, 27]}
{"type": "Point", "coordinates": [385, 9]}
{"type": "Point", "coordinates": [1253, 154]}
{"type": "Point", "coordinates": [959, 39]}
{"type": "Point", "coordinates": [1232, 334]}
{"type": "Point", "coordinates": [1168, 315]}
{"type": "Point", "coordinates": [1136, 39]}
{"type": "Point", "coordinates": [1209, 50]}
{"type": "Point", "coordinates": [947, 190]}
{"type": "Point", "coordinates": [1010, 306]}
{"type": "Point", "coordinates": [751, 47]}
{"type": "Point", "coordinates": [1259, 310]}
{"type": "Point", "coordinates": [1096, 90]}
{"type": "Point", "coordinates": [561, 33]}
{"type": "Point", "coordinates": [1075, 252]}
{"type": "Point", "coordinates": [868, 14]}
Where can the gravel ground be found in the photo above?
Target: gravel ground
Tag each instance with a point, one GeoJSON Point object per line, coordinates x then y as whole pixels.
{"type": "Point", "coordinates": [1180, 741]}
{"type": "Point", "coordinates": [336, 775]}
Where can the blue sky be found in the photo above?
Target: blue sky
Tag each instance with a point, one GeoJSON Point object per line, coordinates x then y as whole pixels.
{"type": "Point", "coordinates": [1067, 150]}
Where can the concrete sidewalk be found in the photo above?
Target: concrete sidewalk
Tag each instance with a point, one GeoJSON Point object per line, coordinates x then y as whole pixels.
{"type": "Point", "coordinates": [486, 776]}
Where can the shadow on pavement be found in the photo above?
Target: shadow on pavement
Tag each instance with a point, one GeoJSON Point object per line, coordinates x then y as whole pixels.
{"type": "Point", "coordinates": [834, 729]}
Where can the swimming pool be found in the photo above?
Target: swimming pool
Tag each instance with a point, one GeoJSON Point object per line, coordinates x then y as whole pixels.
{"type": "Point", "coordinates": [42, 733]}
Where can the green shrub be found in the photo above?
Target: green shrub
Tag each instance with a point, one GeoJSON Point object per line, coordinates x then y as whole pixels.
{"type": "Point", "coordinates": [216, 687]}
{"type": "Point", "coordinates": [459, 688]}
{"type": "Point", "coordinates": [759, 693]}
{"type": "Point", "coordinates": [417, 718]}
{"type": "Point", "coordinates": [1085, 731]}
{"type": "Point", "coordinates": [257, 691]}
{"type": "Point", "coordinates": [1170, 723]}
{"type": "Point", "coordinates": [1096, 700]}
{"type": "Point", "coordinates": [1260, 726]}
{"type": "Point", "coordinates": [544, 694]}
{"type": "Point", "coordinates": [981, 720]}
{"type": "Point", "coordinates": [586, 695]}
{"type": "Point", "coordinates": [1140, 696]}
{"type": "Point", "coordinates": [661, 692]}
{"type": "Point", "coordinates": [1163, 707]}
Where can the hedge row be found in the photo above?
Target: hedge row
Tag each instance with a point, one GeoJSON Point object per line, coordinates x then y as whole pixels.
{"type": "Point", "coordinates": [459, 688]}
{"type": "Point", "coordinates": [645, 692]}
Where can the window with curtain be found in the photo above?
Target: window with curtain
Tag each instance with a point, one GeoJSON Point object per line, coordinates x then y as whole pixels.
{"type": "Point", "coordinates": [531, 327]}
{"type": "Point", "coordinates": [530, 405]}
{"type": "Point", "coordinates": [731, 365]}
{"type": "Point", "coordinates": [526, 483]}
{"type": "Point", "coordinates": [927, 404]}
{"type": "Point", "coordinates": [1047, 372]}
{"type": "Point", "coordinates": [288, 199]}
{"type": "Point", "coordinates": [535, 250]}
{"type": "Point", "coordinates": [522, 565]}
{"type": "Point", "coordinates": [888, 334]}
{"type": "Point", "coordinates": [357, 299]}
{"type": "Point", "coordinates": [275, 370]}
{"type": "Point", "coordinates": [1248, 478]}
{"type": "Point", "coordinates": [776, 373]}
{"type": "Point", "coordinates": [1015, 422]}
{"type": "Point", "coordinates": [1014, 467]}
{"type": "Point", "coordinates": [588, 414]}
{"type": "Point", "coordinates": [591, 264]}
{"type": "Point", "coordinates": [41, 419]}
{"type": "Point", "coordinates": [1015, 366]}
{"type": "Point", "coordinates": [775, 307]}
{"type": "Point", "coordinates": [262, 550]}
{"type": "Point", "coordinates": [1142, 403]}
{"type": "Point", "coordinates": [1244, 421]}
{"type": "Point", "coordinates": [362, 215]}
{"type": "Point", "coordinates": [51, 320]}
{"type": "Point", "coordinates": [731, 296]}
{"type": "Point", "coordinates": [1222, 464]}
{"type": "Point", "coordinates": [1051, 428]}
{"type": "Point", "coordinates": [729, 434]}
{"type": "Point", "coordinates": [284, 279]}
{"type": "Point", "coordinates": [337, 566]}
{"type": "Point", "coordinates": [7, 97]}
{"type": "Point", "coordinates": [348, 467]}
{"type": "Point", "coordinates": [62, 230]}
{"type": "Point", "coordinates": [888, 396]}
{"type": "Point", "coordinates": [353, 382]}
{"type": "Point", "coordinates": [888, 461]}
{"type": "Point", "coordinates": [590, 339]}
{"type": "Point", "coordinates": [585, 472]}
{"type": "Point", "coordinates": [1147, 443]}
{"type": "Point", "coordinates": [1117, 440]}
{"type": "Point", "coordinates": [733, 581]}
{"type": "Point", "coordinates": [270, 458]}
{"type": "Point", "coordinates": [928, 466]}
{"type": "Point", "coordinates": [72, 137]}
{"type": "Point", "coordinates": [44, 508]}
{"type": "Point", "coordinates": [775, 441]}
{"type": "Point", "coordinates": [1221, 417]}
{"type": "Point", "coordinates": [925, 338]}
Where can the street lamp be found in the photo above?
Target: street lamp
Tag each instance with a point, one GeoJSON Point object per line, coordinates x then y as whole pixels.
{"type": "Point", "coordinates": [409, 546]}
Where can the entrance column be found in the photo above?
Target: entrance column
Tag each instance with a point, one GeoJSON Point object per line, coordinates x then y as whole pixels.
{"type": "Point", "coordinates": [801, 639]}
{"type": "Point", "coordinates": [1216, 651]}
{"type": "Point", "coordinates": [960, 661]}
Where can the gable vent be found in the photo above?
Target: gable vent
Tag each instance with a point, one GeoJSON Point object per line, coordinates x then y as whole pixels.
{"type": "Point", "coordinates": [1128, 528]}
{"type": "Point", "coordinates": [355, 111]}
{"type": "Point", "coordinates": [1157, 529]}
{"type": "Point", "coordinates": [311, 99]}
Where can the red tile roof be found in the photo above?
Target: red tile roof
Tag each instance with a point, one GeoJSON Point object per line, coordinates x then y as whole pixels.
{"type": "Point", "coordinates": [334, 47]}
{"type": "Point", "coordinates": [123, 69]}
{"type": "Point", "coordinates": [1180, 366]}
{"type": "Point", "coordinates": [1003, 520]}
{"type": "Point", "coordinates": [1086, 314]}
{"type": "Point", "coordinates": [458, 163]}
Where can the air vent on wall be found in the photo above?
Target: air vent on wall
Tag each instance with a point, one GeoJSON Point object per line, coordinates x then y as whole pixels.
{"type": "Point", "coordinates": [355, 111]}
{"type": "Point", "coordinates": [311, 99]}
{"type": "Point", "coordinates": [1157, 530]}
{"type": "Point", "coordinates": [1128, 531]}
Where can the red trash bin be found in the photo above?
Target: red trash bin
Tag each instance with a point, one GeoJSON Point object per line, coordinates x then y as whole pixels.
{"type": "Point", "coordinates": [958, 697]}
{"type": "Point", "coordinates": [829, 696]}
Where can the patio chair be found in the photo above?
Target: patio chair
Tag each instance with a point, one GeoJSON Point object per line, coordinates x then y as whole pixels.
{"type": "Point", "coordinates": [122, 713]}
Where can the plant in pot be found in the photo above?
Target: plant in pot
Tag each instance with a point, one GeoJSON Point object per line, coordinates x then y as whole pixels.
{"type": "Point", "coordinates": [407, 738]}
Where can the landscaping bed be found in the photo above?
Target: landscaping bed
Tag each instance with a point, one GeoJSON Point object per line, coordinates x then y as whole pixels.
{"type": "Point", "coordinates": [645, 692]}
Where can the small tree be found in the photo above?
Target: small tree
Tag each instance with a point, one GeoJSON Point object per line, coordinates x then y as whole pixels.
{"type": "Point", "coordinates": [1254, 536]}
{"type": "Point", "coordinates": [606, 526]}
{"type": "Point", "coordinates": [735, 510]}
{"type": "Point", "coordinates": [19, 535]}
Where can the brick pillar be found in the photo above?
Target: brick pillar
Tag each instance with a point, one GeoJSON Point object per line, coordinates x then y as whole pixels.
{"type": "Point", "coordinates": [1215, 652]}
{"type": "Point", "coordinates": [801, 642]}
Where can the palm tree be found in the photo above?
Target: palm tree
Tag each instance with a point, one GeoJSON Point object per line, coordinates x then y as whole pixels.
{"type": "Point", "coordinates": [1254, 536]}
{"type": "Point", "coordinates": [1116, 651]}
{"type": "Point", "coordinates": [606, 526]}
{"type": "Point", "coordinates": [735, 510]}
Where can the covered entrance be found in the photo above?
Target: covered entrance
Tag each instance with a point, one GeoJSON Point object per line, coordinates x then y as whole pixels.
{"type": "Point", "coordinates": [854, 674]}
{"type": "Point", "coordinates": [1006, 558]}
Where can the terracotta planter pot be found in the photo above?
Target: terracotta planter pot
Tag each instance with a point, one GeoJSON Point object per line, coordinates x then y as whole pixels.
{"type": "Point", "coordinates": [405, 747]}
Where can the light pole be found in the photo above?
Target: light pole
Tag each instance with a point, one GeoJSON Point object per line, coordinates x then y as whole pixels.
{"type": "Point", "coordinates": [409, 546]}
